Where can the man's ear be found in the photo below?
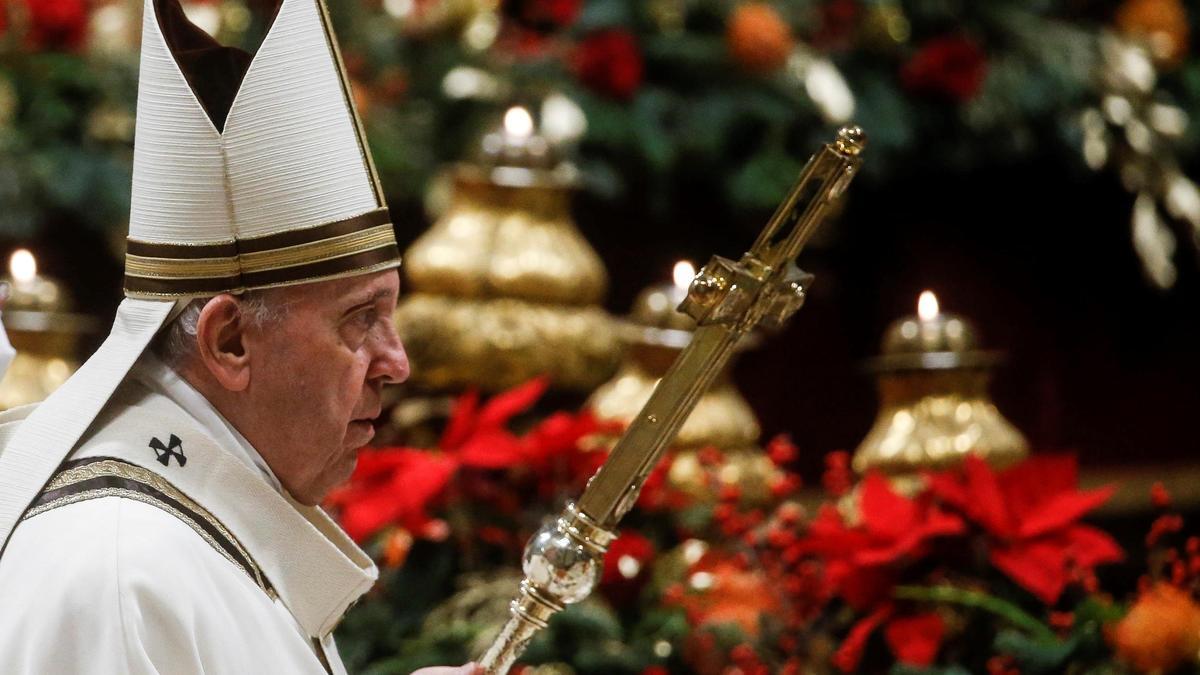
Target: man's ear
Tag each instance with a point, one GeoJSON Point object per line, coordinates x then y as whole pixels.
{"type": "Point", "coordinates": [221, 345]}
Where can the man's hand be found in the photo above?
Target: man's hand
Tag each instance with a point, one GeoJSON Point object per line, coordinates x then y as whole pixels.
{"type": "Point", "coordinates": [469, 669]}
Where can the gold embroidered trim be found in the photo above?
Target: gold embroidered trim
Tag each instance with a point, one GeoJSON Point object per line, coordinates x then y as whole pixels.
{"type": "Point", "coordinates": [317, 251]}
{"type": "Point", "coordinates": [145, 499]}
{"type": "Point", "coordinates": [180, 268]}
{"type": "Point", "coordinates": [112, 467]}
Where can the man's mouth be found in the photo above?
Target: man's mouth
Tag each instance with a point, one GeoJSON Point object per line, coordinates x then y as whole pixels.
{"type": "Point", "coordinates": [370, 417]}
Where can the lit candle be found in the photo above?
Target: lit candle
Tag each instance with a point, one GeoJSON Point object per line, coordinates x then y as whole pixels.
{"type": "Point", "coordinates": [518, 123]}
{"type": "Point", "coordinates": [31, 291]}
{"type": "Point", "coordinates": [932, 338]}
{"type": "Point", "coordinates": [927, 306]}
{"type": "Point", "coordinates": [22, 267]}
{"type": "Point", "coordinates": [938, 332]}
{"type": "Point", "coordinates": [515, 148]}
{"type": "Point", "coordinates": [657, 306]}
{"type": "Point", "coordinates": [683, 273]}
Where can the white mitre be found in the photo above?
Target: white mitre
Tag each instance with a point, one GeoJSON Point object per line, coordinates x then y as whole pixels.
{"type": "Point", "coordinates": [279, 191]}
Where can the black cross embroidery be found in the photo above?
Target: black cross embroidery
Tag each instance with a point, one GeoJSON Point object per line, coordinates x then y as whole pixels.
{"type": "Point", "coordinates": [165, 453]}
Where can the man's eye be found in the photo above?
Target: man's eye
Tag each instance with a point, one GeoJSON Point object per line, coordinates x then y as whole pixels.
{"type": "Point", "coordinates": [368, 318]}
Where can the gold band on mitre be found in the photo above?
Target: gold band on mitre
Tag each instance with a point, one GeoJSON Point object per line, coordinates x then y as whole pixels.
{"type": "Point", "coordinates": [356, 245]}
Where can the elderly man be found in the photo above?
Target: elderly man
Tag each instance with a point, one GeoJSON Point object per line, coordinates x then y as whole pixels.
{"type": "Point", "coordinates": [158, 513]}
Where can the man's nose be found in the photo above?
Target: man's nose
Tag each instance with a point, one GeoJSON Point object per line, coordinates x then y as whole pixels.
{"type": "Point", "coordinates": [391, 361]}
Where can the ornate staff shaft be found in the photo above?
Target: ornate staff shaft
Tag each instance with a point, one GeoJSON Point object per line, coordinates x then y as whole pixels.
{"type": "Point", "coordinates": [563, 561]}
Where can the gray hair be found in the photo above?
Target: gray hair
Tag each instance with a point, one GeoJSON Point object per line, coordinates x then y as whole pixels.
{"type": "Point", "coordinates": [176, 344]}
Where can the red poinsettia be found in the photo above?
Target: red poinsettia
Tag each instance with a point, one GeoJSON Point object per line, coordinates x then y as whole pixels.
{"type": "Point", "coordinates": [1030, 513]}
{"type": "Point", "coordinates": [397, 485]}
{"type": "Point", "coordinates": [609, 62]}
{"type": "Point", "coordinates": [391, 486]}
{"type": "Point", "coordinates": [913, 639]}
{"type": "Point", "coordinates": [953, 66]}
{"type": "Point", "coordinates": [56, 24]}
{"type": "Point", "coordinates": [862, 561]}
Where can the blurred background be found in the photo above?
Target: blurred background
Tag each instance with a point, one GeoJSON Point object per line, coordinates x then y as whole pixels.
{"type": "Point", "coordinates": [1027, 161]}
{"type": "Point", "coordinates": [549, 162]}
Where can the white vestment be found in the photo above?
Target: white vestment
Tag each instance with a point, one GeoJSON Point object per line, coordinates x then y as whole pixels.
{"type": "Point", "coordinates": [117, 584]}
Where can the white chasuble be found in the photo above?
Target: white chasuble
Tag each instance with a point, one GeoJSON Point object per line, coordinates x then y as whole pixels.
{"type": "Point", "coordinates": [157, 550]}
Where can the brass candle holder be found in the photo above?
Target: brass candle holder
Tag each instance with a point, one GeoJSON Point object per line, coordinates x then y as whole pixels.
{"type": "Point", "coordinates": [43, 330]}
{"type": "Point", "coordinates": [504, 287]}
{"type": "Point", "coordinates": [934, 405]}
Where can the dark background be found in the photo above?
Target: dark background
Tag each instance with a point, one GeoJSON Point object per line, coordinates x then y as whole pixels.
{"type": "Point", "coordinates": [1098, 361]}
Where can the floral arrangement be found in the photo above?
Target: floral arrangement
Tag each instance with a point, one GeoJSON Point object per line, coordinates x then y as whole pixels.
{"type": "Point", "coordinates": [972, 570]}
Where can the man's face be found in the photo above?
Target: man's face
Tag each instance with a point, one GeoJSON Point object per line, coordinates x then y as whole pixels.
{"type": "Point", "coordinates": [316, 375]}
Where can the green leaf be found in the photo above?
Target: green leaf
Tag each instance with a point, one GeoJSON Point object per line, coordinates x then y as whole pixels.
{"type": "Point", "coordinates": [609, 123]}
{"type": "Point", "coordinates": [764, 180]}
{"type": "Point", "coordinates": [650, 111]}
{"type": "Point", "coordinates": [705, 123]}
{"type": "Point", "coordinates": [1035, 655]}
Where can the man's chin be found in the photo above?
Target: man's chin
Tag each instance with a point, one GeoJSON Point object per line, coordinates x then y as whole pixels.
{"type": "Point", "coordinates": [359, 434]}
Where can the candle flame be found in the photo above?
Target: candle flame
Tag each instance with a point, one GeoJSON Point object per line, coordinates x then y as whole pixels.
{"type": "Point", "coordinates": [22, 266]}
{"type": "Point", "coordinates": [683, 274]}
{"type": "Point", "coordinates": [518, 122]}
{"type": "Point", "coordinates": [927, 306]}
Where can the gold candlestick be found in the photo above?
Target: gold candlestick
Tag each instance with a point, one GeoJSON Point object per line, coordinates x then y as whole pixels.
{"type": "Point", "coordinates": [504, 287]}
{"type": "Point", "coordinates": [43, 330]}
{"type": "Point", "coordinates": [934, 406]}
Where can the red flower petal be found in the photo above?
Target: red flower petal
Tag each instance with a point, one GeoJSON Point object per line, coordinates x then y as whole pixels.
{"type": "Point", "coordinates": [862, 587]}
{"type": "Point", "coordinates": [949, 487]}
{"type": "Point", "coordinates": [491, 449]}
{"type": "Point", "coordinates": [463, 421]}
{"type": "Point", "coordinates": [987, 504]}
{"type": "Point", "coordinates": [1062, 509]}
{"type": "Point", "coordinates": [418, 478]}
{"type": "Point", "coordinates": [915, 639]}
{"type": "Point", "coordinates": [1087, 546]}
{"type": "Point", "coordinates": [828, 535]}
{"type": "Point", "coordinates": [557, 434]}
{"type": "Point", "coordinates": [609, 61]}
{"type": "Point", "coordinates": [850, 652]}
{"type": "Point", "coordinates": [935, 524]}
{"type": "Point", "coordinates": [1040, 566]}
{"type": "Point", "coordinates": [502, 407]}
{"type": "Point", "coordinates": [1038, 477]}
{"type": "Point", "coordinates": [885, 513]}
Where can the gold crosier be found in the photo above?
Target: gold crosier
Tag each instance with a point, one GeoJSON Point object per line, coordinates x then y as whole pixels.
{"type": "Point", "coordinates": [563, 561]}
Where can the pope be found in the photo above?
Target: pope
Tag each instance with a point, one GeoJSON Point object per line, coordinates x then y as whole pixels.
{"type": "Point", "coordinates": [159, 512]}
